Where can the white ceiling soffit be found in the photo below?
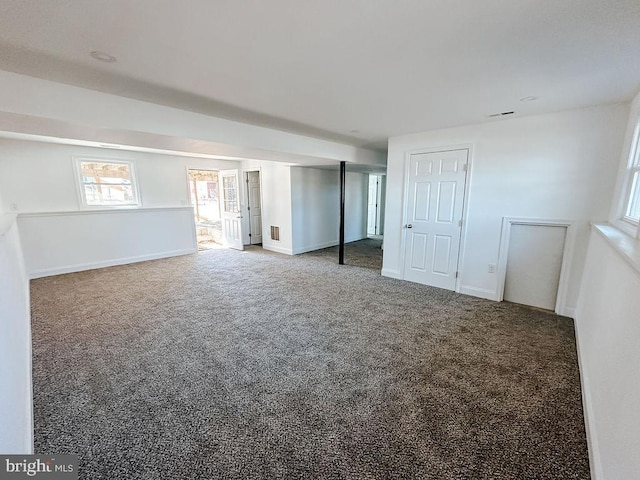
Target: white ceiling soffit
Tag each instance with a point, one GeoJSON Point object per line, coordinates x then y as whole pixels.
{"type": "Point", "coordinates": [39, 129]}
{"type": "Point", "coordinates": [356, 72]}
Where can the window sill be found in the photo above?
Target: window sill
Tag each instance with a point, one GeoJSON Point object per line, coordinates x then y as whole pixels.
{"type": "Point", "coordinates": [626, 246]}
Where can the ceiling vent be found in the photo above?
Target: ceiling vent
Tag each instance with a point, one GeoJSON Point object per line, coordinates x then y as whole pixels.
{"type": "Point", "coordinates": [500, 114]}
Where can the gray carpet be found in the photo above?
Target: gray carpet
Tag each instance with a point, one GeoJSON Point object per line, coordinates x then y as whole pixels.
{"type": "Point", "coordinates": [255, 365]}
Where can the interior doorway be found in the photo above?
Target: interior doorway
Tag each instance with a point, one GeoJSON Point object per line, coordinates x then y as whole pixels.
{"type": "Point", "coordinates": [435, 187]}
{"type": "Point", "coordinates": [254, 207]}
{"type": "Point", "coordinates": [374, 205]}
{"type": "Point", "coordinates": [204, 187]}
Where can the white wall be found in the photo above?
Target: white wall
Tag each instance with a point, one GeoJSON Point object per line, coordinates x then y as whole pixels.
{"type": "Point", "coordinates": [608, 329]}
{"type": "Point", "coordinates": [275, 190]}
{"type": "Point", "coordinates": [38, 179]}
{"type": "Point", "coordinates": [56, 243]}
{"type": "Point", "coordinates": [315, 207]}
{"type": "Point", "coordinates": [383, 201]}
{"type": "Point", "coordinates": [16, 417]}
{"type": "Point", "coordinates": [315, 200]}
{"type": "Point", "coordinates": [356, 206]}
{"type": "Point", "coordinates": [555, 166]}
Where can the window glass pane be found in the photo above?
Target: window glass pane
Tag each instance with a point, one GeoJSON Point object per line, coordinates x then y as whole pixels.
{"type": "Point", "coordinates": [106, 183]}
{"type": "Point", "coordinates": [229, 195]}
{"type": "Point", "coordinates": [633, 207]}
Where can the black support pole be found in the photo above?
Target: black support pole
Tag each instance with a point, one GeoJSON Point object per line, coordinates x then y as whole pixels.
{"type": "Point", "coordinates": [343, 169]}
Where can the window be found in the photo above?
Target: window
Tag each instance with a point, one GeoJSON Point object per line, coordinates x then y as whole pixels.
{"type": "Point", "coordinates": [106, 183]}
{"type": "Point", "coordinates": [632, 210]}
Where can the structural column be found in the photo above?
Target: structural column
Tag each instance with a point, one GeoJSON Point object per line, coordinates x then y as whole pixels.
{"type": "Point", "coordinates": [343, 168]}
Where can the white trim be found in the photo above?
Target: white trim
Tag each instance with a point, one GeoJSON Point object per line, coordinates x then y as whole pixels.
{"type": "Point", "coordinates": [388, 272]}
{"type": "Point", "coordinates": [630, 154]}
{"type": "Point", "coordinates": [567, 255]}
{"type": "Point", "coordinates": [191, 206]}
{"type": "Point", "coordinates": [568, 312]}
{"type": "Point", "coordinates": [245, 176]}
{"type": "Point", "coordinates": [81, 193]}
{"type": "Point", "coordinates": [102, 211]}
{"type": "Point", "coordinates": [48, 272]}
{"type": "Point", "coordinates": [30, 440]}
{"type": "Point", "coordinates": [285, 251]}
{"type": "Point", "coordinates": [317, 246]}
{"type": "Point", "coordinates": [465, 211]}
{"type": "Point", "coordinates": [624, 245]}
{"type": "Point", "coordinates": [626, 227]}
{"type": "Point", "coordinates": [477, 292]}
{"type": "Point", "coordinates": [465, 215]}
{"type": "Point", "coordinates": [595, 464]}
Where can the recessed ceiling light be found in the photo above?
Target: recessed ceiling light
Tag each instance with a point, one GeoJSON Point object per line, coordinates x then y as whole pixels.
{"type": "Point", "coordinates": [104, 57]}
{"type": "Point", "coordinates": [528, 99]}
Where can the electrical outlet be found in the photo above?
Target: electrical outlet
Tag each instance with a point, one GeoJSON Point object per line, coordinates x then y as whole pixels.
{"type": "Point", "coordinates": [492, 268]}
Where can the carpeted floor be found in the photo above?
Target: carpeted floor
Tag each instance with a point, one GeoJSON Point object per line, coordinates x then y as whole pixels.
{"type": "Point", "coordinates": [255, 365]}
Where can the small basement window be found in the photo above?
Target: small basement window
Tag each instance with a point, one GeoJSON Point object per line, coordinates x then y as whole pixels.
{"type": "Point", "coordinates": [107, 183]}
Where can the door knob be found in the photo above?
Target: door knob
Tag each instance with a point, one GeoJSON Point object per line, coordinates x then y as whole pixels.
{"type": "Point", "coordinates": [409, 225]}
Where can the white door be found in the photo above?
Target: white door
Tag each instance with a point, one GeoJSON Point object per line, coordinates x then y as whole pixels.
{"type": "Point", "coordinates": [255, 210]}
{"type": "Point", "coordinates": [372, 212]}
{"type": "Point", "coordinates": [230, 211]}
{"type": "Point", "coordinates": [534, 263]}
{"type": "Point", "coordinates": [435, 200]}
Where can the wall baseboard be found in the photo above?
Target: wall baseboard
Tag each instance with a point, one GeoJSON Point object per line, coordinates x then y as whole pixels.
{"type": "Point", "coordinates": [568, 312]}
{"type": "Point", "coordinates": [320, 246]}
{"type": "Point", "coordinates": [49, 272]}
{"type": "Point", "coordinates": [388, 272]}
{"type": "Point", "coordinates": [478, 292]}
{"type": "Point", "coordinates": [317, 246]}
{"type": "Point", "coordinates": [285, 251]}
{"type": "Point", "coordinates": [595, 464]}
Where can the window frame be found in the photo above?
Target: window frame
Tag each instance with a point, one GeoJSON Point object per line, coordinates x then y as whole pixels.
{"type": "Point", "coordinates": [629, 164]}
{"type": "Point", "coordinates": [632, 177]}
{"type": "Point", "coordinates": [80, 184]}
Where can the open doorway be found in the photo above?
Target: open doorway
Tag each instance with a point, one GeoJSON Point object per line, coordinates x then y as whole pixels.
{"type": "Point", "coordinates": [254, 207]}
{"type": "Point", "coordinates": [375, 206]}
{"type": "Point", "coordinates": [204, 187]}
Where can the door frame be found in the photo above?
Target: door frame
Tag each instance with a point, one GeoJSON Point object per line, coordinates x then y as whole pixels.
{"type": "Point", "coordinates": [465, 213]}
{"type": "Point", "coordinates": [237, 173]}
{"type": "Point", "coordinates": [378, 203]}
{"type": "Point", "coordinates": [567, 256]}
{"type": "Point", "coordinates": [246, 202]}
{"type": "Point", "coordinates": [190, 203]}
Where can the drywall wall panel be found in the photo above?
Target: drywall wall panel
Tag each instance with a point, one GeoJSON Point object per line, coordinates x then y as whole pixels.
{"type": "Point", "coordinates": [55, 243]}
{"type": "Point", "coordinates": [315, 205]}
{"type": "Point", "coordinates": [16, 418]}
{"type": "Point", "coordinates": [608, 329]}
{"type": "Point", "coordinates": [560, 165]}
{"type": "Point", "coordinates": [383, 197]}
{"type": "Point", "coordinates": [275, 180]}
{"type": "Point", "coordinates": [356, 205]}
{"type": "Point", "coordinates": [534, 262]}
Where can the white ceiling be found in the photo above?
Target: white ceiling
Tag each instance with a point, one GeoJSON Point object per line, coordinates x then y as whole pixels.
{"type": "Point", "coordinates": [357, 71]}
